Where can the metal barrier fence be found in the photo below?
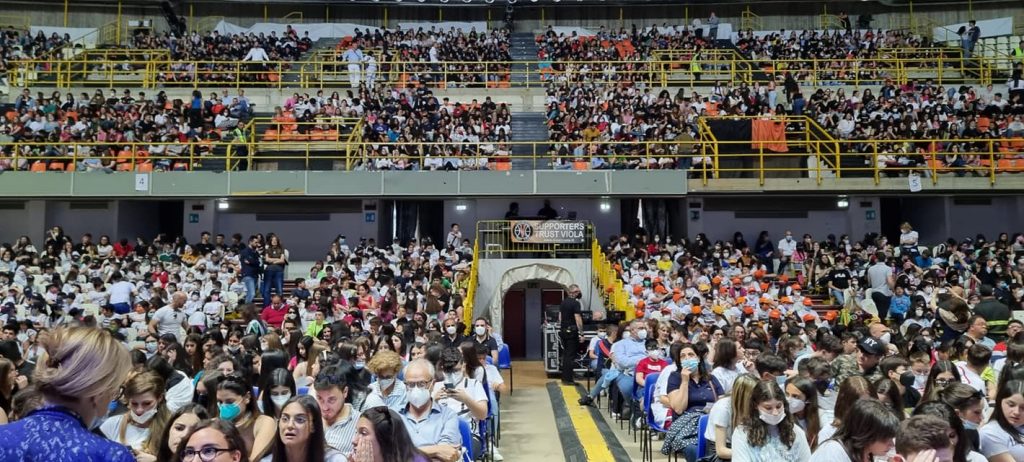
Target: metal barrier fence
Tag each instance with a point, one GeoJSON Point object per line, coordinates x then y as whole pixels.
{"type": "Point", "coordinates": [810, 152]}
{"type": "Point", "coordinates": [523, 238]}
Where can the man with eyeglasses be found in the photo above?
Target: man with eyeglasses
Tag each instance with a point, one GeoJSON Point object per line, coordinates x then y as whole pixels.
{"type": "Point", "coordinates": [433, 428]}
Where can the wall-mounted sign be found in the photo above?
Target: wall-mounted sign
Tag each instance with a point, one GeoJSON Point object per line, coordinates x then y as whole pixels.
{"type": "Point", "coordinates": [549, 232]}
{"type": "Point", "coordinates": [193, 218]}
{"type": "Point", "coordinates": [371, 217]}
{"type": "Point", "coordinates": [869, 215]}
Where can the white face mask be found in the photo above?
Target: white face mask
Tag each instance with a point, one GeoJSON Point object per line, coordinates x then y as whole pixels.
{"type": "Point", "coordinates": [480, 330]}
{"type": "Point", "coordinates": [450, 330]}
{"type": "Point", "coordinates": [418, 396]}
{"type": "Point", "coordinates": [144, 418]}
{"type": "Point", "coordinates": [795, 405]}
{"type": "Point", "coordinates": [279, 400]}
{"type": "Point", "coordinates": [453, 377]}
{"type": "Point", "coordinates": [641, 334]}
{"type": "Point", "coordinates": [772, 419]}
{"type": "Point", "coordinates": [886, 337]}
{"type": "Point", "coordinates": [654, 355]}
{"type": "Point", "coordinates": [385, 383]}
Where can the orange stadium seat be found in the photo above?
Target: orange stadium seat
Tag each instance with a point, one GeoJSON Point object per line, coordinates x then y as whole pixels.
{"type": "Point", "coordinates": [38, 166]}
{"type": "Point", "coordinates": [144, 167]}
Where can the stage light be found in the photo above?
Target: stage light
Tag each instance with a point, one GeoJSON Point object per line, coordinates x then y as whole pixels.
{"type": "Point", "coordinates": [222, 204]}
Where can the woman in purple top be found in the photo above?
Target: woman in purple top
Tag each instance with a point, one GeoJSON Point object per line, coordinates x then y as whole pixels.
{"type": "Point", "coordinates": [81, 376]}
{"type": "Point", "coordinates": [382, 424]}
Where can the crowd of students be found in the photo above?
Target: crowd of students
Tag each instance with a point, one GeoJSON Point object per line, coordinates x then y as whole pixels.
{"type": "Point", "coordinates": [104, 130]}
{"type": "Point", "coordinates": [739, 335]}
{"type": "Point", "coordinates": [164, 338]}
{"type": "Point", "coordinates": [18, 45]}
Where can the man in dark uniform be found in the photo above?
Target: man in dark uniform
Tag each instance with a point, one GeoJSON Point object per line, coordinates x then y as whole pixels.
{"type": "Point", "coordinates": [570, 324]}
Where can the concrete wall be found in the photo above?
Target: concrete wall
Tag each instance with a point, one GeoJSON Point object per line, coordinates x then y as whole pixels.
{"type": "Point", "coordinates": [721, 224]}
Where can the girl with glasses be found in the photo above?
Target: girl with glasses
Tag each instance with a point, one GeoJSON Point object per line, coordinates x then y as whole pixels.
{"type": "Point", "coordinates": [213, 440]}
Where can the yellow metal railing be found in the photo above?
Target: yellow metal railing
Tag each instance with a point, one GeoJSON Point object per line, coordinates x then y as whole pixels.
{"type": "Point", "coordinates": [467, 304]}
{"type": "Point", "coordinates": [607, 280]}
{"type": "Point", "coordinates": [807, 154]}
{"type": "Point", "coordinates": [293, 17]}
{"type": "Point", "coordinates": [496, 240]}
{"type": "Point", "coordinates": [749, 20]}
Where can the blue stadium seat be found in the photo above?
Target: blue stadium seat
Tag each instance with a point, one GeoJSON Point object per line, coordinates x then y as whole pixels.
{"type": "Point", "coordinates": [467, 441]}
{"type": "Point", "coordinates": [650, 425]}
{"type": "Point", "coordinates": [702, 443]}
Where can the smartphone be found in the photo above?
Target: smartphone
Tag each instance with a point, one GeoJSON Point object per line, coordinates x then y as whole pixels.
{"type": "Point", "coordinates": [449, 386]}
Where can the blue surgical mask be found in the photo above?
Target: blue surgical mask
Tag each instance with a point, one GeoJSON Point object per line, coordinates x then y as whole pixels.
{"type": "Point", "coordinates": [359, 365]}
{"type": "Point", "coordinates": [968, 425]}
{"type": "Point", "coordinates": [229, 411]}
{"type": "Point", "coordinates": [690, 364]}
{"type": "Point", "coordinates": [781, 380]}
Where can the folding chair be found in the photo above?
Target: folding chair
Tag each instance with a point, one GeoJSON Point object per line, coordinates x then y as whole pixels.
{"type": "Point", "coordinates": [505, 362]}
{"type": "Point", "coordinates": [467, 441]}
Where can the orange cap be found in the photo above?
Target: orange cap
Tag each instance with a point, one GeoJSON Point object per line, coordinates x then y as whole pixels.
{"type": "Point", "coordinates": [808, 302]}
{"type": "Point", "coordinates": [786, 300]}
{"type": "Point", "coordinates": [764, 287]}
{"type": "Point", "coordinates": [640, 304]}
{"type": "Point", "coordinates": [677, 290]}
{"type": "Point", "coordinates": [830, 315]}
{"type": "Point", "coordinates": [716, 280]}
{"type": "Point", "coordinates": [764, 300]}
{"type": "Point", "coordinates": [617, 267]}
{"type": "Point", "coordinates": [639, 312]}
{"type": "Point", "coordinates": [759, 274]}
{"type": "Point", "coordinates": [677, 297]}
{"type": "Point", "coordinates": [661, 290]}
{"type": "Point", "coordinates": [657, 280]}
{"type": "Point", "coordinates": [808, 317]}
{"type": "Point", "coordinates": [695, 309]}
{"type": "Point", "coordinates": [784, 278]}
{"type": "Point", "coordinates": [610, 289]}
{"type": "Point", "coordinates": [723, 290]}
{"type": "Point", "coordinates": [741, 300]}
{"type": "Point", "coordinates": [736, 281]}
{"type": "Point", "coordinates": [717, 309]}
{"type": "Point", "coordinates": [637, 290]}
{"type": "Point", "coordinates": [748, 311]}
{"type": "Point", "coordinates": [775, 314]}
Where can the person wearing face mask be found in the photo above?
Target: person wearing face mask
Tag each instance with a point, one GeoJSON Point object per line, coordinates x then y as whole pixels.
{"type": "Point", "coordinates": [897, 369]}
{"type": "Point", "coordinates": [652, 364]}
{"type": "Point", "coordinates": [152, 346]}
{"type": "Point", "coordinates": [84, 370]}
{"type": "Point", "coordinates": [770, 433]}
{"type": "Point", "coordinates": [481, 336]}
{"type": "Point", "coordinates": [434, 428]}
{"type": "Point", "coordinates": [147, 414]}
{"type": "Point", "coordinates": [387, 390]}
{"type": "Point", "coordinates": [459, 392]}
{"type": "Point", "coordinates": [786, 248]}
{"type": "Point", "coordinates": [692, 390]}
{"type": "Point", "coordinates": [451, 335]}
{"type": "Point", "coordinates": [968, 406]}
{"type": "Point", "coordinates": [626, 353]}
{"type": "Point", "coordinates": [276, 388]}
{"type": "Point", "coordinates": [236, 404]}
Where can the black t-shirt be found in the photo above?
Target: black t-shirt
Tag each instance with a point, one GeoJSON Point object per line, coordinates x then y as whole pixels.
{"type": "Point", "coordinates": [568, 310]}
{"type": "Point", "coordinates": [492, 345]}
{"type": "Point", "coordinates": [840, 278]}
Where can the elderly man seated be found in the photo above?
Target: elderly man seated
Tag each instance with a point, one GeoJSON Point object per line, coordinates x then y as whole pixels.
{"type": "Point", "coordinates": [434, 428]}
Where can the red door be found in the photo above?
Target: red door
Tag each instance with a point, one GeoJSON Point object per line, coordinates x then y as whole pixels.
{"type": "Point", "coordinates": [514, 330]}
{"type": "Point", "coordinates": [550, 297]}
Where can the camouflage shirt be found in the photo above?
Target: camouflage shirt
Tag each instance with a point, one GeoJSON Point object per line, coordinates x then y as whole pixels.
{"type": "Point", "coordinates": [845, 366]}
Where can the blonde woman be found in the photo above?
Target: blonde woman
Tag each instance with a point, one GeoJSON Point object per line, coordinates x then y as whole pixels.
{"type": "Point", "coordinates": [728, 413]}
{"type": "Point", "coordinates": [80, 374]}
{"type": "Point", "coordinates": [142, 425]}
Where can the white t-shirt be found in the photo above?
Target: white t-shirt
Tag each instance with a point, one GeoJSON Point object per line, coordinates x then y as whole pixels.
{"type": "Point", "coordinates": [720, 416]}
{"type": "Point", "coordinates": [659, 410]}
{"type": "Point", "coordinates": [773, 449]}
{"type": "Point", "coordinates": [475, 390]}
{"type": "Point", "coordinates": [995, 441]}
{"type": "Point", "coordinates": [970, 377]}
{"type": "Point", "coordinates": [830, 451]}
{"type": "Point", "coordinates": [826, 432]}
{"type": "Point", "coordinates": [180, 394]}
{"type": "Point", "coordinates": [168, 321]}
{"type": "Point", "coordinates": [727, 376]}
{"type": "Point", "coordinates": [121, 292]}
{"type": "Point", "coordinates": [134, 436]}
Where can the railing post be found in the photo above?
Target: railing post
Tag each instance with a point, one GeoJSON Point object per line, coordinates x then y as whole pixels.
{"type": "Point", "coordinates": [874, 163]}
{"type": "Point", "coordinates": [992, 161]}
{"type": "Point", "coordinates": [760, 151]}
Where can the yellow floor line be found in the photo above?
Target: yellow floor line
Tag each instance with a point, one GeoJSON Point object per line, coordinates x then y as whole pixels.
{"type": "Point", "coordinates": [586, 429]}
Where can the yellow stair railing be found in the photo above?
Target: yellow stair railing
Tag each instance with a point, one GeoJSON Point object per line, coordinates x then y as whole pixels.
{"type": "Point", "coordinates": [467, 304]}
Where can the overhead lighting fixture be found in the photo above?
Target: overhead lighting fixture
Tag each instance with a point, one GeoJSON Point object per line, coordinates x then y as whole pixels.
{"type": "Point", "coordinates": [222, 204]}
{"type": "Point", "coordinates": [461, 207]}
{"type": "Point", "coordinates": [606, 206]}
{"type": "Point", "coordinates": [843, 202]}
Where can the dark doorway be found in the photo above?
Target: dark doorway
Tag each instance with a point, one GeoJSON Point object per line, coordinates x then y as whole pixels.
{"type": "Point", "coordinates": [891, 216]}
{"type": "Point", "coordinates": [171, 215]}
{"type": "Point", "coordinates": [515, 322]}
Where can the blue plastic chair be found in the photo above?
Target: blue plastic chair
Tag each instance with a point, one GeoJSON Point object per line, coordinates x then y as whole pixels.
{"type": "Point", "coordinates": [650, 425]}
{"type": "Point", "coordinates": [505, 362]}
{"type": "Point", "coordinates": [467, 441]}
{"type": "Point", "coordinates": [302, 391]}
{"type": "Point", "coordinates": [702, 443]}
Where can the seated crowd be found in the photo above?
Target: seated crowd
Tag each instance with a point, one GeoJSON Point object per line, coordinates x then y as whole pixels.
{"type": "Point", "coordinates": [600, 125]}
{"type": "Point", "coordinates": [17, 46]}
{"type": "Point", "coordinates": [358, 342]}
{"type": "Point", "coordinates": [104, 131]}
{"type": "Point", "coordinates": [397, 123]}
{"type": "Point", "coordinates": [734, 332]}
{"type": "Point", "coordinates": [860, 55]}
{"type": "Point", "coordinates": [617, 56]}
{"type": "Point", "coordinates": [453, 58]}
{"type": "Point", "coordinates": [214, 57]}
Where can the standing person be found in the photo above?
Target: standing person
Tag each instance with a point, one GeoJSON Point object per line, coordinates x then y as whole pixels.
{"type": "Point", "coordinates": [170, 319]}
{"type": "Point", "coordinates": [354, 57]}
{"type": "Point", "coordinates": [276, 260]}
{"type": "Point", "coordinates": [251, 268]}
{"type": "Point", "coordinates": [570, 325]}
{"type": "Point", "coordinates": [82, 375]}
{"type": "Point", "coordinates": [713, 27]}
{"type": "Point", "coordinates": [121, 293]}
{"type": "Point", "coordinates": [995, 312]}
{"type": "Point", "coordinates": [973, 35]}
{"type": "Point", "coordinates": [881, 279]}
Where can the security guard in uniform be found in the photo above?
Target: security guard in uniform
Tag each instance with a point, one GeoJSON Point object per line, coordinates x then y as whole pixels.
{"type": "Point", "coordinates": [570, 324]}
